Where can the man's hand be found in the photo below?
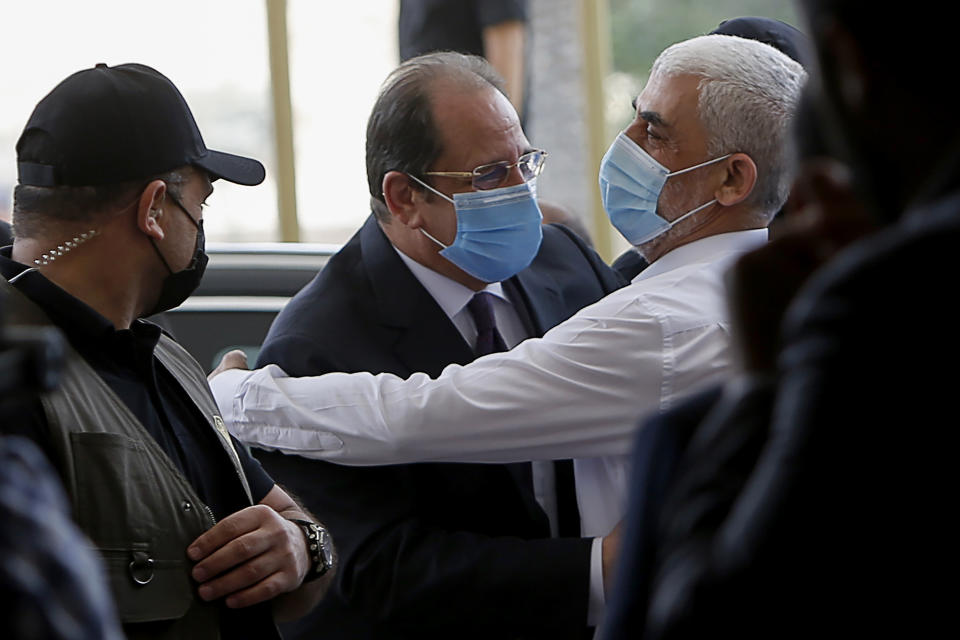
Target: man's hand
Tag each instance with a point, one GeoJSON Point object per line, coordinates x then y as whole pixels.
{"type": "Point", "coordinates": [235, 359]}
{"type": "Point", "coordinates": [611, 554]}
{"type": "Point", "coordinates": [250, 556]}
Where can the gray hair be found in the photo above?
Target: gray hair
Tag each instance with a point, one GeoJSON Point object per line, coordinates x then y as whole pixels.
{"type": "Point", "coordinates": [401, 134]}
{"type": "Point", "coordinates": [748, 95]}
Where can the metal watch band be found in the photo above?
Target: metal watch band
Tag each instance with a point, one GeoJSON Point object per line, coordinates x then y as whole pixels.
{"type": "Point", "coordinates": [318, 548]}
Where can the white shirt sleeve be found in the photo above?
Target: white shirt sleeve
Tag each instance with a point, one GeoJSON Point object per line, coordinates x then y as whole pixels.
{"type": "Point", "coordinates": [597, 604]}
{"type": "Point", "coordinates": [577, 392]}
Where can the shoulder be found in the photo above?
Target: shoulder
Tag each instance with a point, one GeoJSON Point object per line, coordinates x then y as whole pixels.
{"type": "Point", "coordinates": [563, 252]}
{"type": "Point", "coordinates": [336, 314]}
{"type": "Point", "coordinates": [692, 294]}
{"type": "Point", "coordinates": [884, 299]}
{"type": "Point", "coordinates": [557, 237]}
{"type": "Point", "coordinates": [327, 297]}
{"type": "Point", "coordinates": [908, 264]}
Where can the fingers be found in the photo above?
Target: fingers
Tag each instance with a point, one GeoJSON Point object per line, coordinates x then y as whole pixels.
{"type": "Point", "coordinates": [230, 528]}
{"type": "Point", "coordinates": [259, 579]}
{"type": "Point", "coordinates": [264, 590]}
{"type": "Point", "coordinates": [251, 556]}
{"type": "Point", "coordinates": [235, 359]}
{"type": "Point", "coordinates": [236, 552]}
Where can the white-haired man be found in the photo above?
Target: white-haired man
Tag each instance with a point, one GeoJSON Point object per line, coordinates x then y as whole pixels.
{"type": "Point", "coordinates": [692, 182]}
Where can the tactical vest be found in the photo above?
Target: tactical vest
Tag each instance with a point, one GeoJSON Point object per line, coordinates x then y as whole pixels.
{"type": "Point", "coordinates": [127, 495]}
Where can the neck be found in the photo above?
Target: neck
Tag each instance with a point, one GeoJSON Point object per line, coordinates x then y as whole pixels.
{"type": "Point", "coordinates": [710, 222]}
{"type": "Point", "coordinates": [419, 248]}
{"type": "Point", "coordinates": [88, 273]}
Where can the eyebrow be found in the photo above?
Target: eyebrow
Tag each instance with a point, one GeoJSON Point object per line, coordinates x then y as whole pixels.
{"type": "Point", "coordinates": [654, 118]}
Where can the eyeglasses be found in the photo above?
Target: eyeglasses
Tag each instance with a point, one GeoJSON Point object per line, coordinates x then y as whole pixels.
{"type": "Point", "coordinates": [491, 176]}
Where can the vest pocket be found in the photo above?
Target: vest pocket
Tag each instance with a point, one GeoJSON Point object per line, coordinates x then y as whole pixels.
{"type": "Point", "coordinates": [114, 489]}
{"type": "Point", "coordinates": [129, 502]}
{"type": "Point", "coordinates": [147, 589]}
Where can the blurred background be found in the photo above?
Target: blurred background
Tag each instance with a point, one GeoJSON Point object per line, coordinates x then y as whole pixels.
{"type": "Point", "coordinates": [291, 82]}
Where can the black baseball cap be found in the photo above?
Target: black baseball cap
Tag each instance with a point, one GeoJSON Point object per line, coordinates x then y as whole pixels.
{"type": "Point", "coordinates": [776, 33]}
{"type": "Point", "coordinates": [113, 124]}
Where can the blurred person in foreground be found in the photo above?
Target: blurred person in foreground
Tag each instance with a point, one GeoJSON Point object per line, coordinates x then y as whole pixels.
{"type": "Point", "coordinates": [108, 223]}
{"type": "Point", "coordinates": [815, 497]}
{"type": "Point", "coordinates": [52, 584]}
{"type": "Point", "coordinates": [6, 235]}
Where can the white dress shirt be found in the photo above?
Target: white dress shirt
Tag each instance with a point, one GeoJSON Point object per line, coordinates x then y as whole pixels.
{"type": "Point", "coordinates": [578, 392]}
{"type": "Point", "coordinates": [453, 298]}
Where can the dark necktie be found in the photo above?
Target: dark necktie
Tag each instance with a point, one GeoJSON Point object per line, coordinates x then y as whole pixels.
{"type": "Point", "coordinates": [489, 339]}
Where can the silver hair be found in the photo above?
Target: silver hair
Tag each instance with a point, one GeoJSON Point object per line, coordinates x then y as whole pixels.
{"type": "Point", "coordinates": [748, 95]}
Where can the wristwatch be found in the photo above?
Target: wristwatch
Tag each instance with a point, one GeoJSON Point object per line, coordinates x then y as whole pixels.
{"type": "Point", "coordinates": [319, 548]}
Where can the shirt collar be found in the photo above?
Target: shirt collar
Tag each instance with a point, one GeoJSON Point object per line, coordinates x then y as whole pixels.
{"type": "Point", "coordinates": [705, 250]}
{"type": "Point", "coordinates": [81, 323]}
{"type": "Point", "coordinates": [449, 294]}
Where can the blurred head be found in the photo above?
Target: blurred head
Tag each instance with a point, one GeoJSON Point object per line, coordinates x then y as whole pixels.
{"type": "Point", "coordinates": [883, 97]}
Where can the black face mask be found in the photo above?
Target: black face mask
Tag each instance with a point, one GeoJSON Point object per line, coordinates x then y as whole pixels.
{"type": "Point", "coordinates": [178, 286]}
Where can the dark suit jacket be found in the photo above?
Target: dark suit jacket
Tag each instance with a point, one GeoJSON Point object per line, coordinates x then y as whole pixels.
{"type": "Point", "coordinates": [430, 550]}
{"type": "Point", "coordinates": [820, 500]}
{"type": "Point", "coordinates": [659, 445]}
{"type": "Point", "coordinates": [629, 264]}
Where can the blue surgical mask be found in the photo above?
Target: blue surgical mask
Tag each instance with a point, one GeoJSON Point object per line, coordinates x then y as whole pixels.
{"type": "Point", "coordinates": [498, 231]}
{"type": "Point", "coordinates": [630, 185]}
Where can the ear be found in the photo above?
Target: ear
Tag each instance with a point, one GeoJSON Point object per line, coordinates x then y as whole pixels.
{"type": "Point", "coordinates": [150, 209]}
{"type": "Point", "coordinates": [739, 181]}
{"type": "Point", "coordinates": [403, 198]}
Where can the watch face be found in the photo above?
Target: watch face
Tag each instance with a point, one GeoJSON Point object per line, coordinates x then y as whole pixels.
{"type": "Point", "coordinates": [326, 547]}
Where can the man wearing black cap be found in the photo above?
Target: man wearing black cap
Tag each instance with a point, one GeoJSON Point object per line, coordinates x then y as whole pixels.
{"type": "Point", "coordinates": [197, 539]}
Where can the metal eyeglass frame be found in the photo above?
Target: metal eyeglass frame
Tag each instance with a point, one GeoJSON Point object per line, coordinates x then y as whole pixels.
{"type": "Point", "coordinates": [537, 155]}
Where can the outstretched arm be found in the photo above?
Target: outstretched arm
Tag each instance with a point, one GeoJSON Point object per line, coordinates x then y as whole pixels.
{"type": "Point", "coordinates": [576, 392]}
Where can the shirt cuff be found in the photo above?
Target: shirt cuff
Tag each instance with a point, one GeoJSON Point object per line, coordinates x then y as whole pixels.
{"type": "Point", "coordinates": [598, 601]}
{"type": "Point", "coordinates": [224, 387]}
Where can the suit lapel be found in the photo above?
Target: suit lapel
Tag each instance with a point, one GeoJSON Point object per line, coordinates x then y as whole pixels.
{"type": "Point", "coordinates": [536, 297]}
{"type": "Point", "coordinates": [426, 339]}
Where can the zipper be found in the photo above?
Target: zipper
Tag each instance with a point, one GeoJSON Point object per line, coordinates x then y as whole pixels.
{"type": "Point", "coordinates": [210, 513]}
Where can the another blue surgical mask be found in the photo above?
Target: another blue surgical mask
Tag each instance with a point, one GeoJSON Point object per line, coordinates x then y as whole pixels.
{"type": "Point", "coordinates": [630, 185]}
{"type": "Point", "coordinates": [498, 231]}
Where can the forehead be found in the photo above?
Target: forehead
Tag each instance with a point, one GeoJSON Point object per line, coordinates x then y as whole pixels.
{"type": "Point", "coordinates": [674, 98]}
{"type": "Point", "coordinates": [476, 126]}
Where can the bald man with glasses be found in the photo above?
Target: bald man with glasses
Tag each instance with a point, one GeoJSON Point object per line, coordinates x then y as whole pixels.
{"type": "Point", "coordinates": [452, 263]}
